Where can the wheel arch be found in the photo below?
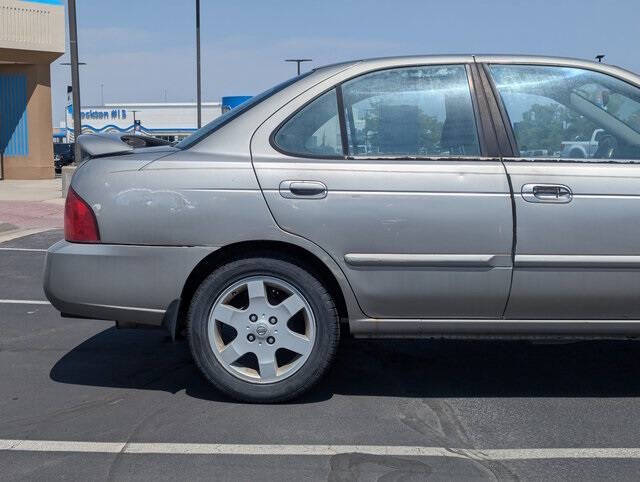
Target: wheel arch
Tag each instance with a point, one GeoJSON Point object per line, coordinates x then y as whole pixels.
{"type": "Point", "coordinates": [245, 249]}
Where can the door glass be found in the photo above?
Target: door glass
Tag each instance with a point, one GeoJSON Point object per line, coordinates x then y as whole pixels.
{"type": "Point", "coordinates": [314, 130]}
{"type": "Point", "coordinates": [416, 111]}
{"type": "Point", "coordinates": [563, 112]}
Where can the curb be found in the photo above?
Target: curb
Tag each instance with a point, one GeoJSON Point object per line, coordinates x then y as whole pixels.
{"type": "Point", "coordinates": [11, 235]}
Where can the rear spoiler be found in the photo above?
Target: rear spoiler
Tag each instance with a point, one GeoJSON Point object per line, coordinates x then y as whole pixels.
{"type": "Point", "coordinates": [96, 145]}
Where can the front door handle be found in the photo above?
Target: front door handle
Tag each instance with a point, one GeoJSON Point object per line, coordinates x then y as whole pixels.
{"type": "Point", "coordinates": [546, 193]}
{"type": "Point", "coordinates": [303, 189]}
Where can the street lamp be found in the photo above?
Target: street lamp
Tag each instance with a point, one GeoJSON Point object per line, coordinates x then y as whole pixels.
{"type": "Point", "coordinates": [66, 124]}
{"type": "Point", "coordinates": [198, 86]}
{"type": "Point", "coordinates": [298, 62]}
{"type": "Point", "coordinates": [134, 119]}
{"type": "Point", "coordinates": [75, 78]}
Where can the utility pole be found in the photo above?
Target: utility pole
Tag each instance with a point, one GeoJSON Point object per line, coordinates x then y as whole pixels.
{"type": "Point", "coordinates": [298, 62]}
{"type": "Point", "coordinates": [69, 89]}
{"type": "Point", "coordinates": [75, 78]}
{"type": "Point", "coordinates": [134, 120]}
{"type": "Point", "coordinates": [198, 86]}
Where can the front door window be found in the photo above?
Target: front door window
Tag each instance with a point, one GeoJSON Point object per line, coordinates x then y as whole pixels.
{"type": "Point", "coordinates": [566, 112]}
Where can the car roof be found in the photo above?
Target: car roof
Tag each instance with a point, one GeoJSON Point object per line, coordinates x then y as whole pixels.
{"type": "Point", "coordinates": [379, 62]}
{"type": "Point", "coordinates": [327, 76]}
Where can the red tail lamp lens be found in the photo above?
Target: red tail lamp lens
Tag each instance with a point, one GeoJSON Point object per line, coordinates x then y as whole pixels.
{"type": "Point", "coordinates": [80, 225]}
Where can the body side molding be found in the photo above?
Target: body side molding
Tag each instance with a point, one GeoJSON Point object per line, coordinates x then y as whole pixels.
{"type": "Point", "coordinates": [428, 260]}
{"type": "Point", "coordinates": [576, 261]}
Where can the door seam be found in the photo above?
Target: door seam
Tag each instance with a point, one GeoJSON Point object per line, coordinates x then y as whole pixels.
{"type": "Point", "coordinates": [514, 243]}
{"type": "Point", "coordinates": [514, 233]}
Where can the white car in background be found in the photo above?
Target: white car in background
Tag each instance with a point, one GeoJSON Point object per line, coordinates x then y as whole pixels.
{"type": "Point", "coordinates": [582, 149]}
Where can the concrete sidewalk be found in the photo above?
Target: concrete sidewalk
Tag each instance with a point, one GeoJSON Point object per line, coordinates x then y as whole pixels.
{"type": "Point", "coordinates": [28, 207]}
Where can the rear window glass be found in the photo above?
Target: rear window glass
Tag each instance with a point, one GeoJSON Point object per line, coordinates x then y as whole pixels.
{"type": "Point", "coordinates": [314, 130]}
{"type": "Point", "coordinates": [225, 118]}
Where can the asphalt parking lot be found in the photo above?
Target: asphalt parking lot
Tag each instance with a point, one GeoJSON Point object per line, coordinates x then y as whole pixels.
{"type": "Point", "coordinates": [135, 406]}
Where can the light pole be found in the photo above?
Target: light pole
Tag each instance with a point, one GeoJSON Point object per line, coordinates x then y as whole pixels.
{"type": "Point", "coordinates": [134, 119]}
{"type": "Point", "coordinates": [73, 108]}
{"type": "Point", "coordinates": [298, 62]}
{"type": "Point", "coordinates": [102, 94]}
{"type": "Point", "coordinates": [75, 78]}
{"type": "Point", "coordinates": [198, 87]}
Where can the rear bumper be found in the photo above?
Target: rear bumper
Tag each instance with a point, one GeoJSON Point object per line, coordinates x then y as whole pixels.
{"type": "Point", "coordinates": [124, 283]}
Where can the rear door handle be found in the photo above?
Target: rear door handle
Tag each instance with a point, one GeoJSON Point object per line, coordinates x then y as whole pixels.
{"type": "Point", "coordinates": [303, 189]}
{"type": "Point", "coordinates": [547, 193]}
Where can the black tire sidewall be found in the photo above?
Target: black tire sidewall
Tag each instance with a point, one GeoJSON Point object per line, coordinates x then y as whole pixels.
{"type": "Point", "coordinates": [324, 312]}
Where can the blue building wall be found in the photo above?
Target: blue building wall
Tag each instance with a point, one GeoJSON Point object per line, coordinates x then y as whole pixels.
{"type": "Point", "coordinates": [14, 133]}
{"type": "Point", "coordinates": [230, 101]}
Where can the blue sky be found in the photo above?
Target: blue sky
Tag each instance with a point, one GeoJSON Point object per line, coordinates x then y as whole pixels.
{"type": "Point", "coordinates": [140, 49]}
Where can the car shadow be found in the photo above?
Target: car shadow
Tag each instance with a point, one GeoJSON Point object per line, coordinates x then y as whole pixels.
{"type": "Point", "coordinates": [147, 359]}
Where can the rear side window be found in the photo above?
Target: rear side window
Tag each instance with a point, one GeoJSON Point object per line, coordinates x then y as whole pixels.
{"type": "Point", "coordinates": [416, 111]}
{"type": "Point", "coordinates": [314, 130]}
{"type": "Point", "coordinates": [569, 113]}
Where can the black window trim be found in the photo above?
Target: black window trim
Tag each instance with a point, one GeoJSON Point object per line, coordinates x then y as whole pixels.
{"type": "Point", "coordinates": [506, 121]}
{"type": "Point", "coordinates": [499, 140]}
{"type": "Point", "coordinates": [342, 121]}
{"type": "Point", "coordinates": [343, 133]}
{"type": "Point", "coordinates": [478, 121]}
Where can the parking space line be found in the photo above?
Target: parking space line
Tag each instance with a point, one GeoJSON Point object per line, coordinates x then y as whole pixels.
{"type": "Point", "coordinates": [316, 450]}
{"type": "Point", "coordinates": [28, 250]}
{"type": "Point", "coordinates": [24, 302]}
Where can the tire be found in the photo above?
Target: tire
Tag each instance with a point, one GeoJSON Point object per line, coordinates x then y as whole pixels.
{"type": "Point", "coordinates": [207, 346]}
{"type": "Point", "coordinates": [576, 154]}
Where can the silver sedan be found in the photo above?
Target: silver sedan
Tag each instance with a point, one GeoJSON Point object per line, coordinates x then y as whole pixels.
{"type": "Point", "coordinates": [396, 197]}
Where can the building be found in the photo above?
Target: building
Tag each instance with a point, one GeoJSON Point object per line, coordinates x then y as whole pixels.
{"type": "Point", "coordinates": [32, 36]}
{"type": "Point", "coordinates": [171, 121]}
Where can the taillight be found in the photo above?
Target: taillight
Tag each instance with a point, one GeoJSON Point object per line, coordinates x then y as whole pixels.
{"type": "Point", "coordinates": [80, 225]}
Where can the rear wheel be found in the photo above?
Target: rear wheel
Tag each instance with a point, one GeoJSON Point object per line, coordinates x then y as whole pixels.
{"type": "Point", "coordinates": [262, 329]}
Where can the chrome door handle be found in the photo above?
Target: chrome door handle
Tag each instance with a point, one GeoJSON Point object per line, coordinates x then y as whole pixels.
{"type": "Point", "coordinates": [303, 189]}
{"type": "Point", "coordinates": [547, 193]}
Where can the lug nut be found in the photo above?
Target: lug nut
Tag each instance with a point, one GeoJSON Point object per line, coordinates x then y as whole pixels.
{"type": "Point", "coordinates": [251, 337]}
{"type": "Point", "coordinates": [273, 320]}
{"type": "Point", "coordinates": [271, 340]}
{"type": "Point", "coordinates": [253, 317]}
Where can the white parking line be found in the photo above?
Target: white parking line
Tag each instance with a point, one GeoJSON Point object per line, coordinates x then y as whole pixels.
{"type": "Point", "coordinates": [317, 450]}
{"type": "Point", "coordinates": [29, 250]}
{"type": "Point", "coordinates": [24, 302]}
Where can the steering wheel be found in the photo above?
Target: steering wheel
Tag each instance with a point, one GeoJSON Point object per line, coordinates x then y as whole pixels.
{"type": "Point", "coordinates": [607, 146]}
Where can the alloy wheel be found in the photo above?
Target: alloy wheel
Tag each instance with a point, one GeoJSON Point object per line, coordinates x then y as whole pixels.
{"type": "Point", "coordinates": [261, 329]}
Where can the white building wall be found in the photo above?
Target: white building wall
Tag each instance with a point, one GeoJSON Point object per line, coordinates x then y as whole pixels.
{"type": "Point", "coordinates": [171, 119]}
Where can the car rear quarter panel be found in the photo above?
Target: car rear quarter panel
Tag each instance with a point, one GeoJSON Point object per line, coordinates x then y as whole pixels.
{"type": "Point", "coordinates": [186, 199]}
{"type": "Point", "coordinates": [189, 199]}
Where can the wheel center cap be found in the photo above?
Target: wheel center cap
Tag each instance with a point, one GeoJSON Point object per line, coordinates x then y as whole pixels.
{"type": "Point", "coordinates": [262, 330]}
